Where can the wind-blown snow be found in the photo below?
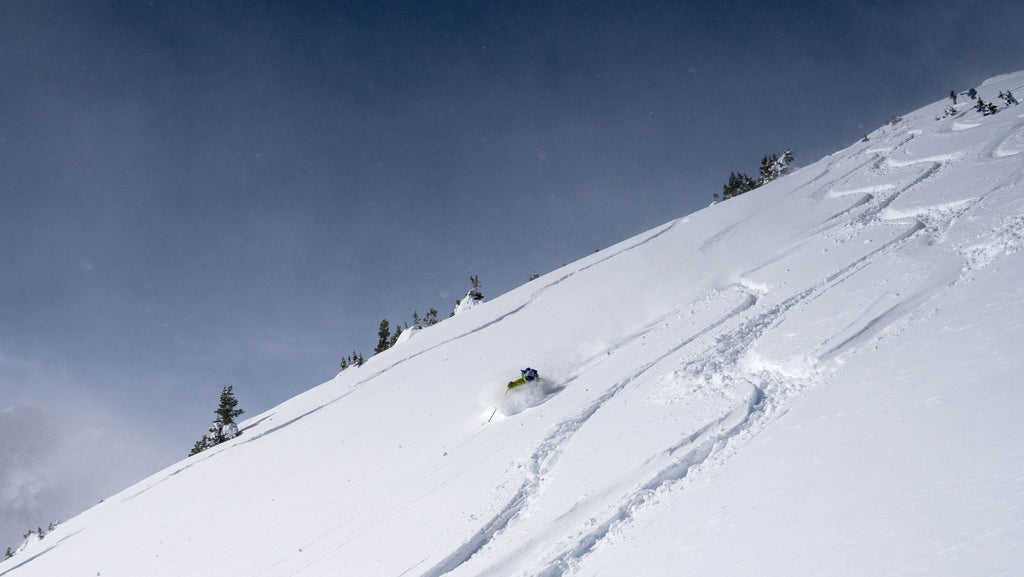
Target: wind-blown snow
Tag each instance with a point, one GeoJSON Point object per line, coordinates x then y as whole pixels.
{"type": "Point", "coordinates": [820, 377]}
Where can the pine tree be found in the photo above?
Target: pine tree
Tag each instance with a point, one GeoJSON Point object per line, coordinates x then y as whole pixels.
{"type": "Point", "coordinates": [383, 337]}
{"type": "Point", "coordinates": [767, 162]}
{"type": "Point", "coordinates": [200, 446]}
{"type": "Point", "coordinates": [773, 166]}
{"type": "Point", "coordinates": [226, 413]}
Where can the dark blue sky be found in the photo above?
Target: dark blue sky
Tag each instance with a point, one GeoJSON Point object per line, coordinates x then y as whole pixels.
{"type": "Point", "coordinates": [198, 194]}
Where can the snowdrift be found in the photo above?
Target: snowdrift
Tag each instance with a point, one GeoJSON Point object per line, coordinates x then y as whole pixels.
{"type": "Point", "coordinates": [819, 377]}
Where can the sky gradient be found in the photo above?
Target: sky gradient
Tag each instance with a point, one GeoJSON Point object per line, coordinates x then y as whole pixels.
{"type": "Point", "coordinates": [203, 194]}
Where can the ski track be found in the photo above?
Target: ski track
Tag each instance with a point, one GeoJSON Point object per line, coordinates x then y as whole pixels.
{"type": "Point", "coordinates": [696, 449]}
{"type": "Point", "coordinates": [544, 458]}
{"type": "Point", "coordinates": [1010, 145]}
{"type": "Point", "coordinates": [872, 214]}
{"type": "Point", "coordinates": [769, 394]}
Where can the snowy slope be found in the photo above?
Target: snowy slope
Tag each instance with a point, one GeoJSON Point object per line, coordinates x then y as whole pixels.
{"type": "Point", "coordinates": [820, 377]}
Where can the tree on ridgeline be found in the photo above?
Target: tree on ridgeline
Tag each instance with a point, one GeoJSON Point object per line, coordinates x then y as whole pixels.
{"type": "Point", "coordinates": [354, 360]}
{"type": "Point", "coordinates": [772, 167]}
{"type": "Point", "coordinates": [738, 184]}
{"type": "Point", "coordinates": [383, 337]}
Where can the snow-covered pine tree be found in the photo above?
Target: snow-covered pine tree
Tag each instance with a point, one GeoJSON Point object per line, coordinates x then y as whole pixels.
{"type": "Point", "coordinates": [224, 426]}
{"type": "Point", "coordinates": [200, 446]}
{"type": "Point", "coordinates": [773, 166]}
{"type": "Point", "coordinates": [227, 410]}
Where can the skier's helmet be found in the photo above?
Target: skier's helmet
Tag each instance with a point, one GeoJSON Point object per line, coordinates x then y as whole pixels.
{"type": "Point", "coordinates": [529, 374]}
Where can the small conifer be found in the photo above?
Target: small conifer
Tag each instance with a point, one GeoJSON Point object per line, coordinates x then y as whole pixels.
{"type": "Point", "coordinates": [226, 413]}
{"type": "Point", "coordinates": [383, 337]}
{"type": "Point", "coordinates": [226, 410]}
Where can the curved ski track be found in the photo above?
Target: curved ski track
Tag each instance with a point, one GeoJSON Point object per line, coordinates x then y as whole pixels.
{"type": "Point", "coordinates": [768, 394]}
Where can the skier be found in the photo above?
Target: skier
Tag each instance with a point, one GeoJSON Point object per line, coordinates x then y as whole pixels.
{"type": "Point", "coordinates": [528, 375]}
{"type": "Point", "coordinates": [952, 96]}
{"type": "Point", "coordinates": [972, 93]}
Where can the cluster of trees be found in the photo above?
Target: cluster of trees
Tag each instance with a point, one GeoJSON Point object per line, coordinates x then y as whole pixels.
{"type": "Point", "coordinates": [353, 360]}
{"type": "Point", "coordinates": [39, 534]}
{"type": "Point", "coordinates": [985, 108]}
{"type": "Point", "coordinates": [224, 426]}
{"type": "Point", "coordinates": [772, 166]}
{"type": "Point", "coordinates": [990, 108]}
{"type": "Point", "coordinates": [387, 339]}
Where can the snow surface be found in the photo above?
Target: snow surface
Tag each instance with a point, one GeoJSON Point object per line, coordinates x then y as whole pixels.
{"type": "Point", "coordinates": [820, 377]}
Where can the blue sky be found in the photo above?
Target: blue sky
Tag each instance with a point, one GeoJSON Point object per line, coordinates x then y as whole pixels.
{"type": "Point", "coordinates": [202, 194]}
